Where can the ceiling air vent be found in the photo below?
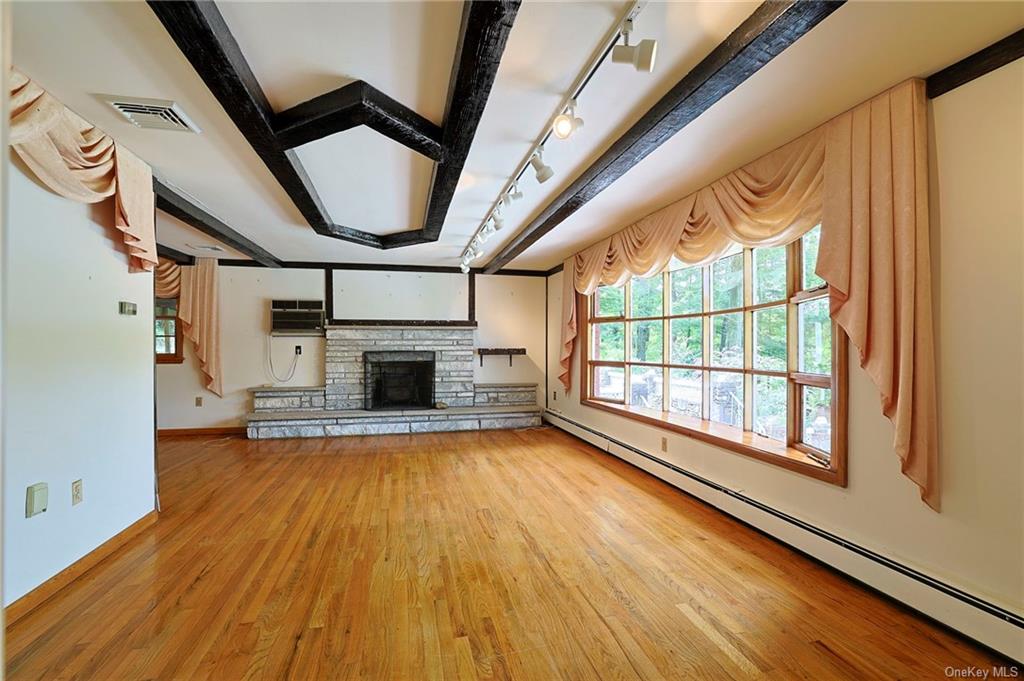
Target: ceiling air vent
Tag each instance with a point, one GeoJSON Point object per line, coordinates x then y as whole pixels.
{"type": "Point", "coordinates": [161, 114]}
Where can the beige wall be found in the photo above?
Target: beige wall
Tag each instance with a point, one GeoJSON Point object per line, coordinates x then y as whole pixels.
{"type": "Point", "coordinates": [510, 312]}
{"type": "Point", "coordinates": [78, 378]}
{"type": "Point", "coordinates": [977, 542]}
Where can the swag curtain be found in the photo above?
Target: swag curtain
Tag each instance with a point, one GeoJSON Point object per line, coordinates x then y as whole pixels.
{"type": "Point", "coordinates": [196, 288]}
{"type": "Point", "coordinates": [81, 163]}
{"type": "Point", "coordinates": [863, 176]}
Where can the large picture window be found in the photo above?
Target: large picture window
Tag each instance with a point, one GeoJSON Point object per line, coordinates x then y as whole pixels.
{"type": "Point", "coordinates": [741, 352]}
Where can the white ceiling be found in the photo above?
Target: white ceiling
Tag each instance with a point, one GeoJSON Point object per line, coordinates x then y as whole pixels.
{"type": "Point", "coordinates": [299, 50]}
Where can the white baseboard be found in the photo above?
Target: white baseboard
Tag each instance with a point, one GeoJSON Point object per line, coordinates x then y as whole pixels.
{"type": "Point", "coordinates": [986, 623]}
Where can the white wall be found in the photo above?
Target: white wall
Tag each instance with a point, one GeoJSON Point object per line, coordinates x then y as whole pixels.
{"type": "Point", "coordinates": [78, 382]}
{"type": "Point", "coordinates": [363, 294]}
{"type": "Point", "coordinates": [245, 295]}
{"type": "Point", "coordinates": [977, 542]}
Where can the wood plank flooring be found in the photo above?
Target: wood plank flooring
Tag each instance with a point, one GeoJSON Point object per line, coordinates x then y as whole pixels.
{"type": "Point", "coordinates": [488, 555]}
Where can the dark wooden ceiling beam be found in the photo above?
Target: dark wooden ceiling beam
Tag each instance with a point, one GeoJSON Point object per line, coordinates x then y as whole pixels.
{"type": "Point", "coordinates": [201, 33]}
{"type": "Point", "coordinates": [772, 28]}
{"type": "Point", "coordinates": [355, 104]}
{"type": "Point", "coordinates": [175, 255]}
{"type": "Point", "coordinates": [1010, 48]}
{"type": "Point", "coordinates": [204, 38]}
{"type": "Point", "coordinates": [485, 29]}
{"type": "Point", "coordinates": [178, 205]}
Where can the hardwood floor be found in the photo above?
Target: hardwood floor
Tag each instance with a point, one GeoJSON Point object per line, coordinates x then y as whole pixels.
{"type": "Point", "coordinates": [490, 555]}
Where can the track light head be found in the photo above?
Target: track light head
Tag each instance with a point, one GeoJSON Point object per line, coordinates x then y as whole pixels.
{"type": "Point", "coordinates": [516, 194]}
{"type": "Point", "coordinates": [641, 55]}
{"type": "Point", "coordinates": [497, 221]}
{"type": "Point", "coordinates": [464, 267]}
{"type": "Point", "coordinates": [567, 122]}
{"type": "Point", "coordinates": [506, 199]}
{"type": "Point", "coordinates": [541, 170]}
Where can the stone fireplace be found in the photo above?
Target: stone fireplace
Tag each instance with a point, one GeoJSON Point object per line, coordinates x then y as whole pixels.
{"type": "Point", "coordinates": [398, 380]}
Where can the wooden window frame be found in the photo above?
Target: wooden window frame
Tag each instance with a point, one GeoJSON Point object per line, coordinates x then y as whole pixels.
{"type": "Point", "coordinates": [168, 358]}
{"type": "Point", "coordinates": [793, 454]}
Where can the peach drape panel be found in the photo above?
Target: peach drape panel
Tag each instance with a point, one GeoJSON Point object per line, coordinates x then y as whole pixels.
{"type": "Point", "coordinates": [875, 255]}
{"type": "Point", "coordinates": [196, 288]}
{"type": "Point", "coordinates": [80, 162]}
{"type": "Point", "coordinates": [863, 176]}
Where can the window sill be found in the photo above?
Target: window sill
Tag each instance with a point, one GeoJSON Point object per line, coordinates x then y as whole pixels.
{"type": "Point", "coordinates": [169, 359]}
{"type": "Point", "coordinates": [739, 441]}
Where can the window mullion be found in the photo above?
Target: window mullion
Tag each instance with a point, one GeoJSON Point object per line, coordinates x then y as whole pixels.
{"type": "Point", "coordinates": [748, 339]}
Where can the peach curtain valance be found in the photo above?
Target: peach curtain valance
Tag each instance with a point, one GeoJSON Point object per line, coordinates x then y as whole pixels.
{"type": "Point", "coordinates": [863, 176]}
{"type": "Point", "coordinates": [196, 288]}
{"type": "Point", "coordinates": [80, 162]}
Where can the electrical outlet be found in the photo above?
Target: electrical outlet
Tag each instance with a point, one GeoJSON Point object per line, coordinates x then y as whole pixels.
{"type": "Point", "coordinates": [199, 401]}
{"type": "Point", "coordinates": [298, 349]}
{"type": "Point", "coordinates": [664, 444]}
{"type": "Point", "coordinates": [76, 492]}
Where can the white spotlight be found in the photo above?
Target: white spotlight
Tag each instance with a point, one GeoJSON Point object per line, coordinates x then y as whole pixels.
{"type": "Point", "coordinates": [567, 122]}
{"type": "Point", "coordinates": [488, 230]}
{"type": "Point", "coordinates": [464, 267]}
{"type": "Point", "coordinates": [542, 171]}
{"type": "Point", "coordinates": [499, 221]}
{"type": "Point", "coordinates": [641, 56]}
{"type": "Point", "coordinates": [516, 194]}
{"type": "Point", "coordinates": [506, 199]}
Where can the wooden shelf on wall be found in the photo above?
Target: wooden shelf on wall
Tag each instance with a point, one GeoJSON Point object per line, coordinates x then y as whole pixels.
{"type": "Point", "coordinates": [500, 351]}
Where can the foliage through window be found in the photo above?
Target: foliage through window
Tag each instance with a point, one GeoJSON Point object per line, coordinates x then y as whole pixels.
{"type": "Point", "coordinates": [167, 332]}
{"type": "Point", "coordinates": [746, 342]}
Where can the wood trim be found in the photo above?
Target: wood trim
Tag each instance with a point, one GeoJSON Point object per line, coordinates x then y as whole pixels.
{"type": "Point", "coordinates": [39, 595]}
{"type": "Point", "coordinates": [204, 38]}
{"type": "Point", "coordinates": [381, 267]}
{"type": "Point", "coordinates": [978, 64]}
{"type": "Point", "coordinates": [215, 432]}
{"type": "Point", "coordinates": [772, 27]}
{"type": "Point", "coordinates": [177, 204]}
{"type": "Point", "coordinates": [740, 442]}
{"type": "Point", "coordinates": [175, 255]}
{"type": "Point", "coordinates": [402, 322]}
{"type": "Point", "coordinates": [328, 292]}
{"type": "Point", "coordinates": [471, 298]}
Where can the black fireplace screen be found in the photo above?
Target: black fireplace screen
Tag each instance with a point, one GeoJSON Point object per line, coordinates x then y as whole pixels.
{"type": "Point", "coordinates": [399, 380]}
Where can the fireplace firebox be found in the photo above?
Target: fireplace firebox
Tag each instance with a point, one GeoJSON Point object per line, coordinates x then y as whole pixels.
{"type": "Point", "coordinates": [399, 380]}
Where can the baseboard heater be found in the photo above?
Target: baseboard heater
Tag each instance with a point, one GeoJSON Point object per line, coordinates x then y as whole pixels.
{"type": "Point", "coordinates": [948, 590]}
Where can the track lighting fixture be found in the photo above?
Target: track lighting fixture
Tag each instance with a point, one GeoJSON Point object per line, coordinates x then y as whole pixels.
{"type": "Point", "coordinates": [641, 55]}
{"type": "Point", "coordinates": [515, 193]}
{"type": "Point", "coordinates": [567, 122]}
{"type": "Point", "coordinates": [464, 267]}
{"type": "Point", "coordinates": [542, 171]}
{"type": "Point", "coordinates": [497, 221]}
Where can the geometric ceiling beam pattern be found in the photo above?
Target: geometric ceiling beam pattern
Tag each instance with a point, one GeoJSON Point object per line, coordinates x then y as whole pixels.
{"type": "Point", "coordinates": [180, 206]}
{"type": "Point", "coordinates": [772, 27]}
{"type": "Point", "coordinates": [356, 104]}
{"type": "Point", "coordinates": [203, 36]}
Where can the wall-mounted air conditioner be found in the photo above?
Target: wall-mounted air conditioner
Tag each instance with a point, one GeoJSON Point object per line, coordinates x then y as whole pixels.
{"type": "Point", "coordinates": [297, 318]}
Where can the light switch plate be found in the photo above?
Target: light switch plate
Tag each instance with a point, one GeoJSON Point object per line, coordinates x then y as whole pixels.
{"type": "Point", "coordinates": [36, 498]}
{"type": "Point", "coordinates": [127, 308]}
{"type": "Point", "coordinates": [76, 492]}
{"type": "Point", "coordinates": [199, 401]}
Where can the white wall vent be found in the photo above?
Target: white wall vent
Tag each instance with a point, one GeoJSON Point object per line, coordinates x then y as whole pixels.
{"type": "Point", "coordinates": [161, 114]}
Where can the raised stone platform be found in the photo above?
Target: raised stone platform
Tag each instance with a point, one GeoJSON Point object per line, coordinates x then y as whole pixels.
{"type": "Point", "coordinates": [267, 425]}
{"type": "Point", "coordinates": [504, 393]}
{"type": "Point", "coordinates": [288, 398]}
